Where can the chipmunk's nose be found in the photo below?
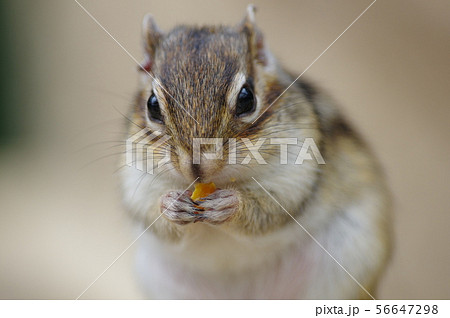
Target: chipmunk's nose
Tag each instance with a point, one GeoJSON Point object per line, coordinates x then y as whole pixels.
{"type": "Point", "coordinates": [185, 165]}
{"type": "Point", "coordinates": [206, 169]}
{"type": "Point", "coordinates": [201, 167]}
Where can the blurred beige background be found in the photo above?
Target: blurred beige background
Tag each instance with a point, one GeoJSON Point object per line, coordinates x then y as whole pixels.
{"type": "Point", "coordinates": [61, 222]}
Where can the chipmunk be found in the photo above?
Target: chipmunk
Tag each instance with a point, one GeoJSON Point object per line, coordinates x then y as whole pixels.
{"type": "Point", "coordinates": [277, 227]}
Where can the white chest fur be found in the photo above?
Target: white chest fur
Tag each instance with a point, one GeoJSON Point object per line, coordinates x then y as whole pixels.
{"type": "Point", "coordinates": [210, 264]}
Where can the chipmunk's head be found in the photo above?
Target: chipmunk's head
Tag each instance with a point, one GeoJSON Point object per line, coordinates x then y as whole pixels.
{"type": "Point", "coordinates": [207, 82]}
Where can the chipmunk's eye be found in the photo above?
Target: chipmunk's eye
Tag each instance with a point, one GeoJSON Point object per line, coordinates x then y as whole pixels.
{"type": "Point", "coordinates": [154, 110]}
{"type": "Point", "coordinates": [245, 101]}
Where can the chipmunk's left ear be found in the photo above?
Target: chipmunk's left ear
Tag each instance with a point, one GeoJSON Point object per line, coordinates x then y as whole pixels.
{"type": "Point", "coordinates": [151, 37]}
{"type": "Point", "coordinates": [254, 36]}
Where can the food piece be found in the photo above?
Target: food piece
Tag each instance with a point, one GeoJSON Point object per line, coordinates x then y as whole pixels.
{"type": "Point", "coordinates": [203, 190]}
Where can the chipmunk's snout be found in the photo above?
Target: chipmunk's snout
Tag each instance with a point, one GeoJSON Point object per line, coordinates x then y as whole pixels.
{"type": "Point", "coordinates": [199, 164]}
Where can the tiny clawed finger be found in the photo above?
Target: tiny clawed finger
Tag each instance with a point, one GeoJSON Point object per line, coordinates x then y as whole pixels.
{"type": "Point", "coordinates": [179, 217]}
{"type": "Point", "coordinates": [218, 217]}
{"type": "Point", "coordinates": [220, 194]}
{"type": "Point", "coordinates": [220, 204]}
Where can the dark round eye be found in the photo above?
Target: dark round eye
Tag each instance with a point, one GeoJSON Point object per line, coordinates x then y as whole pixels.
{"type": "Point", "coordinates": [246, 102]}
{"type": "Point", "coordinates": [154, 110]}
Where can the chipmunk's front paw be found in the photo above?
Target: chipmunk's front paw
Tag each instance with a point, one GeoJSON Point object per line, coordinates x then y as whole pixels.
{"type": "Point", "coordinates": [178, 207]}
{"type": "Point", "coordinates": [219, 206]}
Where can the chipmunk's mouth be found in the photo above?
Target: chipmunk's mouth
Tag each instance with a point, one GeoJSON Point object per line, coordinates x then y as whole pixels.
{"type": "Point", "coordinates": [207, 170]}
{"type": "Point", "coordinates": [226, 177]}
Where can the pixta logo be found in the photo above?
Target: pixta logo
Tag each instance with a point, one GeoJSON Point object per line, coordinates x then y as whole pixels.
{"type": "Point", "coordinates": [140, 149]}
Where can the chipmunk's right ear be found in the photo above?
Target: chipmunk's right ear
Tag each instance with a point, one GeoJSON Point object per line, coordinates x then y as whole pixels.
{"type": "Point", "coordinates": [255, 38]}
{"type": "Point", "coordinates": [151, 36]}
